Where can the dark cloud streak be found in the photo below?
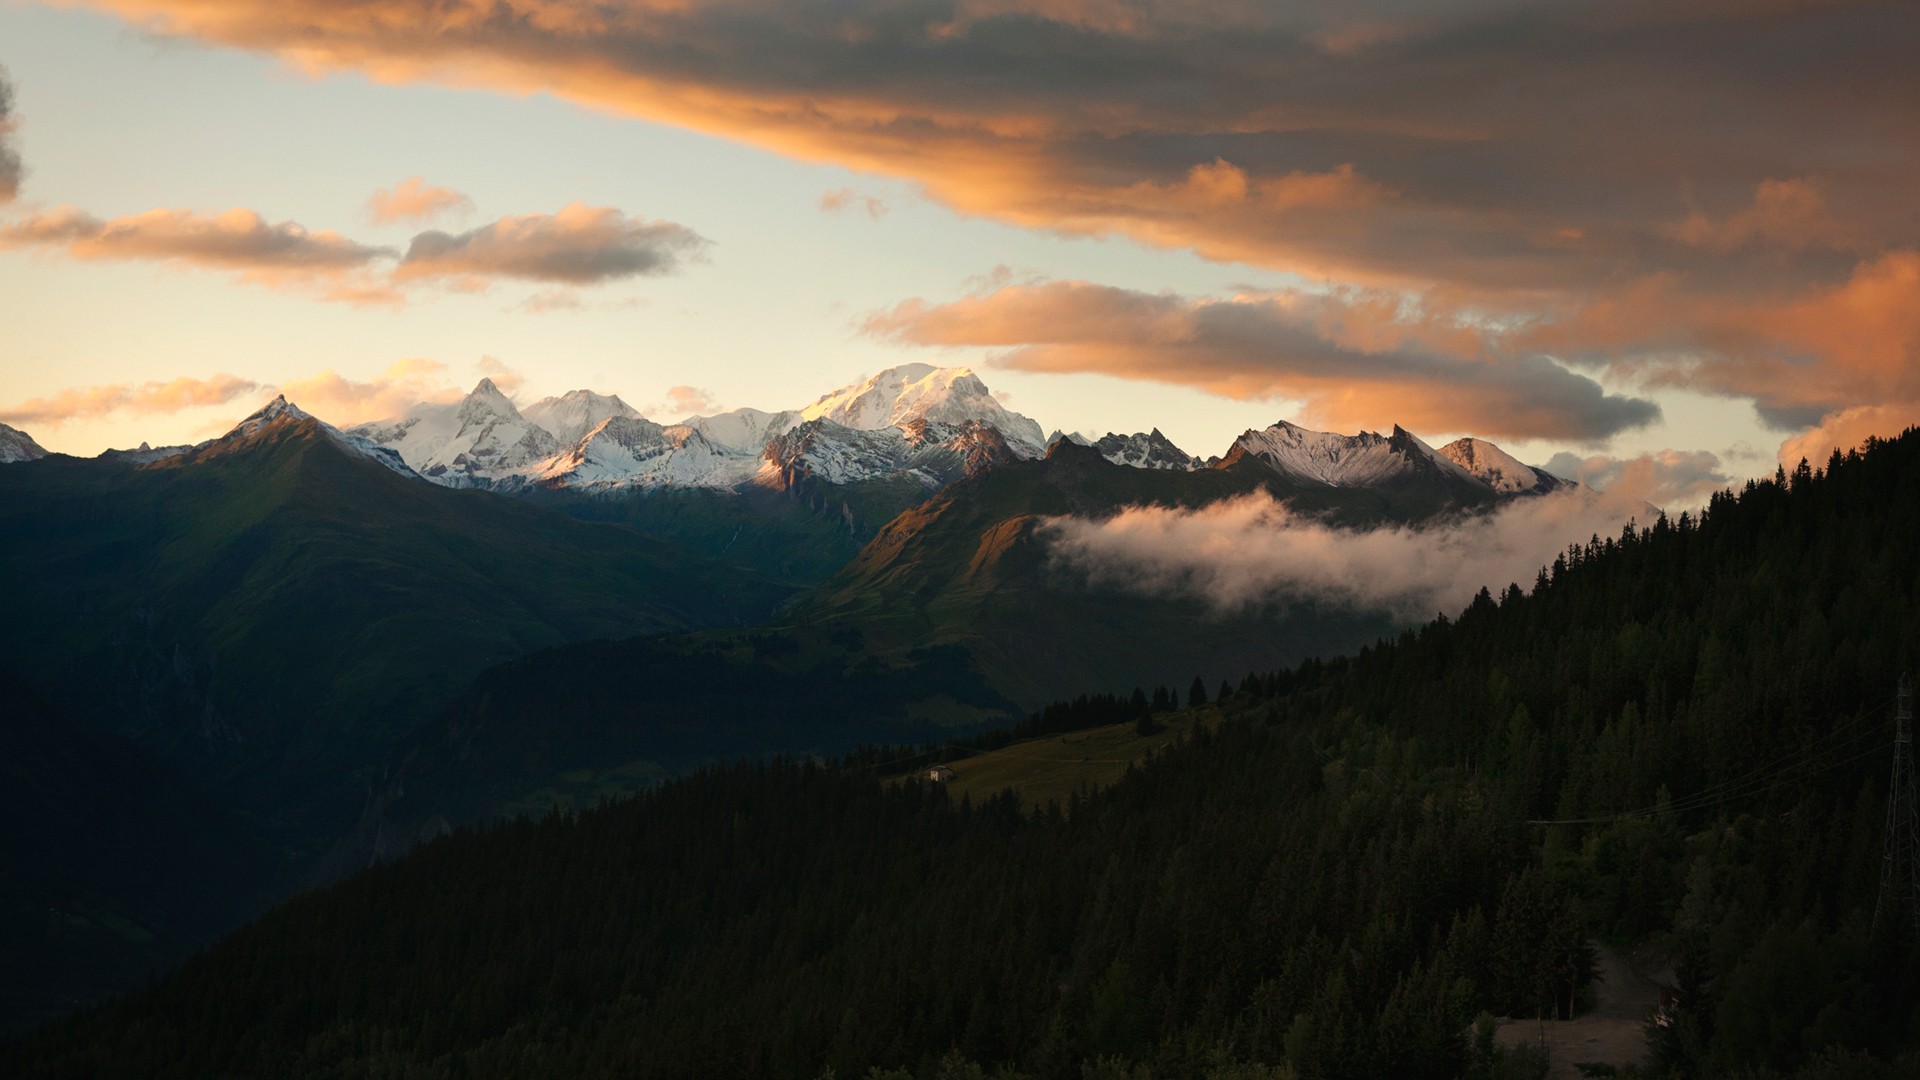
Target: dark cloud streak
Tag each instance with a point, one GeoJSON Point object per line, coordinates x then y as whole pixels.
{"type": "Point", "coordinates": [11, 168]}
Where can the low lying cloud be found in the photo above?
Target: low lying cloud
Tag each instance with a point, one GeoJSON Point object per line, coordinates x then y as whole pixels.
{"type": "Point", "coordinates": [580, 245]}
{"type": "Point", "coordinates": [1355, 359]}
{"type": "Point", "coordinates": [840, 199]}
{"type": "Point", "coordinates": [414, 200]}
{"type": "Point", "coordinates": [90, 402]}
{"type": "Point", "coordinates": [10, 167]}
{"type": "Point", "coordinates": [343, 401]}
{"type": "Point", "coordinates": [1253, 551]}
{"type": "Point", "coordinates": [1673, 480]}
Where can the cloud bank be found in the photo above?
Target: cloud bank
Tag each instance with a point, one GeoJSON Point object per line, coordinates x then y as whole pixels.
{"type": "Point", "coordinates": [344, 401]}
{"type": "Point", "coordinates": [1674, 480]}
{"type": "Point", "coordinates": [1357, 360]}
{"type": "Point", "coordinates": [579, 245]}
{"type": "Point", "coordinates": [1253, 551]}
{"type": "Point", "coordinates": [90, 402]}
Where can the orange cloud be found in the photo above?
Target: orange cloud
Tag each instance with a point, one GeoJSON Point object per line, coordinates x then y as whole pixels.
{"type": "Point", "coordinates": [1846, 429]}
{"type": "Point", "coordinates": [1674, 480]}
{"type": "Point", "coordinates": [1354, 361]}
{"type": "Point", "coordinates": [89, 402]}
{"type": "Point", "coordinates": [413, 200]}
{"type": "Point", "coordinates": [282, 255]}
{"type": "Point", "coordinates": [1785, 213]}
{"type": "Point", "coordinates": [344, 401]}
{"type": "Point", "coordinates": [579, 245]}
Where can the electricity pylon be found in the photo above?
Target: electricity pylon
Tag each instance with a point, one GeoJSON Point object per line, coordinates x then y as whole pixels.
{"type": "Point", "coordinates": [1900, 872]}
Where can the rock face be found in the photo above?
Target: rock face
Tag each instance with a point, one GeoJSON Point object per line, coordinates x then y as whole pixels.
{"type": "Point", "coordinates": [17, 445]}
{"type": "Point", "coordinates": [1500, 470]}
{"type": "Point", "coordinates": [569, 417]}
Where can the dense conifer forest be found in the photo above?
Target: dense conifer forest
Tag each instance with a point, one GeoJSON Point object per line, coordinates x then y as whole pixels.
{"type": "Point", "coordinates": [1335, 880]}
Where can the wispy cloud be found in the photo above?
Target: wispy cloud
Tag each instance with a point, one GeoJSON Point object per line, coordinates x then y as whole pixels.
{"type": "Point", "coordinates": [841, 199]}
{"type": "Point", "coordinates": [1252, 552]}
{"type": "Point", "coordinates": [413, 200]}
{"type": "Point", "coordinates": [683, 401]}
{"type": "Point", "coordinates": [92, 402]}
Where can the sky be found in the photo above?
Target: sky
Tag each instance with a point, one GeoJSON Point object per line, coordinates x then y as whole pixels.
{"type": "Point", "coordinates": [1663, 245]}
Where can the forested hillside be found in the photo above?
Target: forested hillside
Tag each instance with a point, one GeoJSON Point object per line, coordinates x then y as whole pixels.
{"type": "Point", "coordinates": [1333, 882]}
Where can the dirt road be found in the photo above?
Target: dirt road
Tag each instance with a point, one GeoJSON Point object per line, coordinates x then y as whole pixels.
{"type": "Point", "coordinates": [1613, 1031]}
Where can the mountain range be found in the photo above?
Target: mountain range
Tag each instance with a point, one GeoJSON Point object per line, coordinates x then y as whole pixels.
{"type": "Point", "coordinates": [345, 641]}
{"type": "Point", "coordinates": [1656, 780]}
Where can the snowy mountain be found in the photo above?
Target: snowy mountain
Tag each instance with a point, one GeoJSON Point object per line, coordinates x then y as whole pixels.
{"type": "Point", "coordinates": [634, 452]}
{"type": "Point", "coordinates": [17, 445]}
{"type": "Point", "coordinates": [951, 396]}
{"type": "Point", "coordinates": [1500, 470]}
{"type": "Point", "coordinates": [573, 414]}
{"type": "Point", "coordinates": [272, 416]}
{"type": "Point", "coordinates": [1145, 450]}
{"type": "Point", "coordinates": [1368, 459]}
{"type": "Point", "coordinates": [922, 425]}
{"type": "Point", "coordinates": [915, 422]}
{"type": "Point", "coordinates": [476, 442]}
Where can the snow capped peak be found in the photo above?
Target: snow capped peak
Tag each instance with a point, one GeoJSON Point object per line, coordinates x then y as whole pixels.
{"type": "Point", "coordinates": [1148, 450]}
{"type": "Point", "coordinates": [485, 401]}
{"type": "Point", "coordinates": [277, 409]}
{"type": "Point", "coordinates": [910, 392]}
{"type": "Point", "coordinates": [1361, 460]}
{"type": "Point", "coordinates": [17, 445]}
{"type": "Point", "coordinates": [573, 414]}
{"type": "Point", "coordinates": [1498, 469]}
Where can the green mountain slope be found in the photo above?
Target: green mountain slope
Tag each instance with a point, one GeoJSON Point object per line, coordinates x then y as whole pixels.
{"type": "Point", "coordinates": [950, 620]}
{"type": "Point", "coordinates": [275, 610]}
{"type": "Point", "coordinates": [966, 568]}
{"type": "Point", "coordinates": [1332, 882]}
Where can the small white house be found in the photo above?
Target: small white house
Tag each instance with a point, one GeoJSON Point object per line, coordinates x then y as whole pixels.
{"type": "Point", "coordinates": [940, 774]}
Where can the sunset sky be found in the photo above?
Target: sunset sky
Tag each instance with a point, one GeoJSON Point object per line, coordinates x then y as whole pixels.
{"type": "Point", "coordinates": [1658, 242]}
